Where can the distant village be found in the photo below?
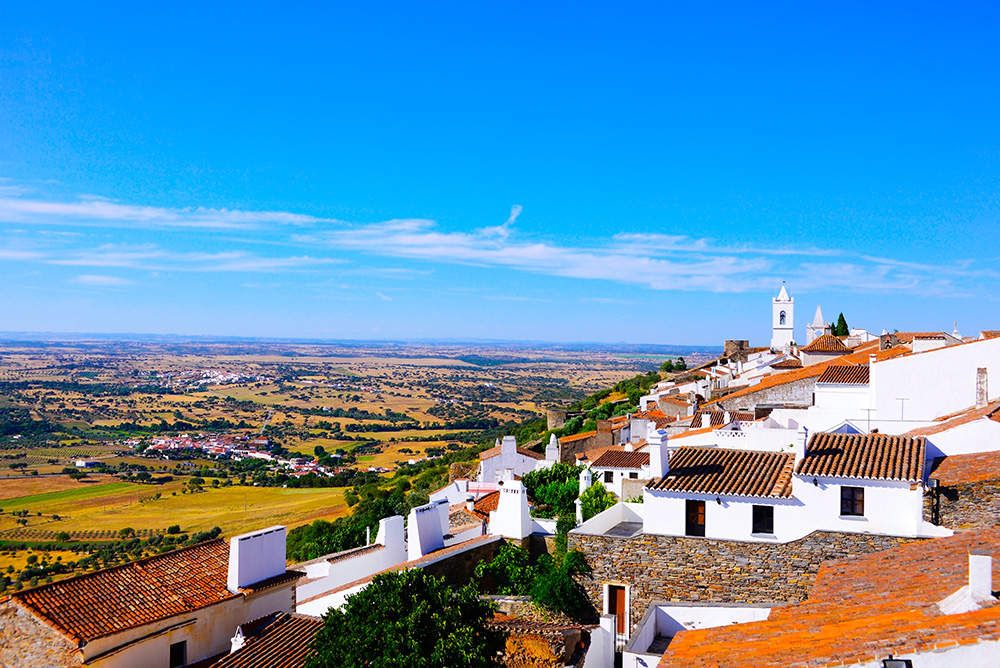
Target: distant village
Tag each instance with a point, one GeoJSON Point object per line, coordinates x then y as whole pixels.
{"type": "Point", "coordinates": [829, 499]}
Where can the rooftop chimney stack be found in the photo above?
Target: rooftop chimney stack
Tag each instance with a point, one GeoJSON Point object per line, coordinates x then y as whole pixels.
{"type": "Point", "coordinates": [659, 456]}
{"type": "Point", "coordinates": [255, 556]}
{"type": "Point", "coordinates": [982, 388]}
{"type": "Point", "coordinates": [980, 576]}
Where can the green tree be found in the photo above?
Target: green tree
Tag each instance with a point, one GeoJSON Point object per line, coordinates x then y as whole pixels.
{"type": "Point", "coordinates": [680, 365]}
{"type": "Point", "coordinates": [841, 328]}
{"type": "Point", "coordinates": [549, 581]}
{"type": "Point", "coordinates": [667, 366]}
{"type": "Point", "coordinates": [413, 620]}
{"type": "Point", "coordinates": [596, 500]}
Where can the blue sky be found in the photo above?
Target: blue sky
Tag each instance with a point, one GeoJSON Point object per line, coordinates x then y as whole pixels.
{"type": "Point", "coordinates": [540, 171]}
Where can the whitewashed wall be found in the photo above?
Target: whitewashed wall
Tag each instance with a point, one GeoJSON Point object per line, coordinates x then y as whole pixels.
{"type": "Point", "coordinates": [971, 437]}
{"type": "Point", "coordinates": [935, 383]}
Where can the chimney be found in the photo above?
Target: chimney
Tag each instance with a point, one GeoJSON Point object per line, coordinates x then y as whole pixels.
{"type": "Point", "coordinates": [980, 576]}
{"type": "Point", "coordinates": [706, 420]}
{"type": "Point", "coordinates": [255, 556]}
{"type": "Point", "coordinates": [509, 445]}
{"type": "Point", "coordinates": [585, 479]}
{"type": "Point", "coordinates": [982, 388]}
{"type": "Point", "coordinates": [726, 417]}
{"type": "Point", "coordinates": [659, 457]}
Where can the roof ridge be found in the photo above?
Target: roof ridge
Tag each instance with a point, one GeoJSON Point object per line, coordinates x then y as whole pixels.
{"type": "Point", "coordinates": [138, 562]}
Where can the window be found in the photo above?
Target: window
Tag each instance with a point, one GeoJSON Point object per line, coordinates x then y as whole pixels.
{"type": "Point", "coordinates": [763, 519]}
{"type": "Point", "coordinates": [781, 318]}
{"type": "Point", "coordinates": [695, 521]}
{"type": "Point", "coordinates": [609, 476]}
{"type": "Point", "coordinates": [852, 501]}
{"type": "Point", "coordinates": [178, 654]}
{"type": "Point", "coordinates": [633, 475]}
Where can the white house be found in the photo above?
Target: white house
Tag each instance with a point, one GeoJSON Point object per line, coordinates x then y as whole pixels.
{"type": "Point", "coordinates": [854, 483]}
{"type": "Point", "coordinates": [616, 465]}
{"type": "Point", "coordinates": [507, 456]}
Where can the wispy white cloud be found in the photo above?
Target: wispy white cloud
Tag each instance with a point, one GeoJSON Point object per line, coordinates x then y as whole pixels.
{"type": "Point", "coordinates": [151, 257]}
{"type": "Point", "coordinates": [98, 211]}
{"type": "Point", "coordinates": [97, 280]}
{"type": "Point", "coordinates": [383, 297]}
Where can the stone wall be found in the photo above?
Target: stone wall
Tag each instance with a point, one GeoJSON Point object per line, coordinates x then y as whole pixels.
{"type": "Point", "coordinates": [458, 570]}
{"type": "Point", "coordinates": [668, 568]}
{"type": "Point", "coordinates": [27, 641]}
{"type": "Point", "coordinates": [967, 506]}
{"type": "Point", "coordinates": [796, 393]}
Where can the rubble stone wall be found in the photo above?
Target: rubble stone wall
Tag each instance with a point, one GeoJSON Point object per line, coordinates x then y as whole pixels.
{"type": "Point", "coordinates": [967, 506]}
{"type": "Point", "coordinates": [27, 641]}
{"type": "Point", "coordinates": [669, 568]}
{"type": "Point", "coordinates": [798, 392]}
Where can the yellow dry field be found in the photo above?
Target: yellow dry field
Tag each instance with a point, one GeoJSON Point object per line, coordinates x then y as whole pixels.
{"type": "Point", "coordinates": [391, 455]}
{"type": "Point", "coordinates": [103, 505]}
{"type": "Point", "coordinates": [12, 488]}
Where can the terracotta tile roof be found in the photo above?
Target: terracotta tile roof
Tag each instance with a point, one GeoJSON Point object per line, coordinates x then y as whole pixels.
{"type": "Point", "coordinates": [789, 363]}
{"type": "Point", "coordinates": [577, 437]}
{"type": "Point", "coordinates": [729, 472]}
{"type": "Point", "coordinates": [717, 417]}
{"type": "Point", "coordinates": [947, 422]}
{"type": "Point", "coordinates": [964, 469]}
{"type": "Point", "coordinates": [860, 610]}
{"type": "Point", "coordinates": [618, 459]}
{"type": "Point", "coordinates": [828, 343]}
{"type": "Point", "coordinates": [864, 456]}
{"type": "Point", "coordinates": [98, 604]}
{"type": "Point", "coordinates": [482, 506]}
{"type": "Point", "coordinates": [494, 451]}
{"type": "Point", "coordinates": [673, 400]}
{"type": "Point", "coordinates": [284, 642]}
{"type": "Point", "coordinates": [844, 374]}
{"type": "Point", "coordinates": [692, 432]}
{"type": "Point", "coordinates": [812, 371]}
{"type": "Point", "coordinates": [990, 333]}
{"type": "Point", "coordinates": [356, 552]}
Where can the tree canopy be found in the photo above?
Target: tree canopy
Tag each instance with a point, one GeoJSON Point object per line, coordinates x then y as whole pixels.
{"type": "Point", "coordinates": [841, 328]}
{"type": "Point", "coordinates": [596, 499]}
{"type": "Point", "coordinates": [413, 620]}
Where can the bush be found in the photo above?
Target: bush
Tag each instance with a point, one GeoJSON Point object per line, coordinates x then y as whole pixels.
{"type": "Point", "coordinates": [409, 618]}
{"type": "Point", "coordinates": [173, 529]}
{"type": "Point", "coordinates": [596, 499]}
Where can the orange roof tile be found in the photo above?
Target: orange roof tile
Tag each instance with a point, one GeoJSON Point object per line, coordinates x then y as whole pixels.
{"type": "Point", "coordinates": [828, 343]}
{"type": "Point", "coordinates": [789, 363]}
{"type": "Point", "coordinates": [964, 469]}
{"type": "Point", "coordinates": [495, 451]}
{"type": "Point", "coordinates": [148, 590]}
{"type": "Point", "coordinates": [577, 437]}
{"type": "Point", "coordinates": [619, 459]}
{"type": "Point", "coordinates": [717, 417]}
{"type": "Point", "coordinates": [844, 374]}
{"type": "Point", "coordinates": [285, 641]}
{"type": "Point", "coordinates": [864, 456]}
{"type": "Point", "coordinates": [812, 371]}
{"type": "Point", "coordinates": [860, 610]}
{"type": "Point", "coordinates": [482, 506]}
{"type": "Point", "coordinates": [991, 411]}
{"type": "Point", "coordinates": [729, 472]}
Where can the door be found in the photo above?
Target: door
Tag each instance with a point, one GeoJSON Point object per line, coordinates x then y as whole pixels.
{"type": "Point", "coordinates": [695, 524]}
{"type": "Point", "coordinates": [616, 606]}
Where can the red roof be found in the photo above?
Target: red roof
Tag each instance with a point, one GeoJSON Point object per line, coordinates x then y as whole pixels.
{"type": "Point", "coordinates": [864, 456]}
{"type": "Point", "coordinates": [812, 371]}
{"type": "Point", "coordinates": [145, 591]}
{"type": "Point", "coordinates": [495, 451]}
{"type": "Point", "coordinates": [991, 412]}
{"type": "Point", "coordinates": [577, 437]}
{"type": "Point", "coordinates": [828, 343]}
{"type": "Point", "coordinates": [861, 610]}
{"type": "Point", "coordinates": [844, 374]}
{"type": "Point", "coordinates": [729, 472]}
{"type": "Point", "coordinates": [964, 469]}
{"type": "Point", "coordinates": [284, 642]}
{"type": "Point", "coordinates": [619, 459]}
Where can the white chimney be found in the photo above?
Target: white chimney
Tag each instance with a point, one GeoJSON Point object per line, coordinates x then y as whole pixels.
{"type": "Point", "coordinates": [659, 458]}
{"type": "Point", "coordinates": [629, 447]}
{"type": "Point", "coordinates": [980, 576]}
{"type": "Point", "coordinates": [237, 641]}
{"type": "Point", "coordinates": [552, 449]}
{"type": "Point", "coordinates": [982, 388]}
{"type": "Point", "coordinates": [255, 556]}
{"type": "Point", "coordinates": [726, 417]}
{"type": "Point", "coordinates": [585, 479]}
{"type": "Point", "coordinates": [509, 445]}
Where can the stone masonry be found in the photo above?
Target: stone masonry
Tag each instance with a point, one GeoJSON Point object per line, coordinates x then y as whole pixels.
{"type": "Point", "coordinates": [26, 641]}
{"type": "Point", "coordinates": [968, 505]}
{"type": "Point", "coordinates": [668, 568]}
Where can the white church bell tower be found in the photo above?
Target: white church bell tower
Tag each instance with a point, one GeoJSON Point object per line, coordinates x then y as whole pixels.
{"type": "Point", "coordinates": [782, 323]}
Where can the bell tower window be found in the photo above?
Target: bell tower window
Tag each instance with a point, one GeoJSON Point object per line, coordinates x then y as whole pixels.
{"type": "Point", "coordinates": [781, 318]}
